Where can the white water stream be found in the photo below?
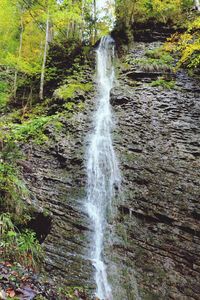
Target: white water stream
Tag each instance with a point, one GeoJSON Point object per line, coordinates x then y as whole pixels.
{"type": "Point", "coordinates": [102, 167]}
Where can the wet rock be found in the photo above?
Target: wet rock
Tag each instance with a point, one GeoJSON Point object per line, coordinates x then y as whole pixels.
{"type": "Point", "coordinates": [158, 223]}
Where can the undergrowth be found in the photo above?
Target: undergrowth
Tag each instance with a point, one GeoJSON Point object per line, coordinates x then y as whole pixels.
{"type": "Point", "coordinates": [18, 246]}
{"type": "Point", "coordinates": [13, 190]}
{"type": "Point", "coordinates": [157, 60]}
{"type": "Point", "coordinates": [4, 94]}
{"type": "Point", "coordinates": [34, 129]}
{"type": "Point", "coordinates": [68, 91]}
{"type": "Point", "coordinates": [15, 245]}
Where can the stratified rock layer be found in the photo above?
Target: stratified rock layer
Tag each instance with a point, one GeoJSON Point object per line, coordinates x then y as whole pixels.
{"type": "Point", "coordinates": [158, 143]}
{"type": "Point", "coordinates": [155, 244]}
{"type": "Point", "coordinates": [56, 179]}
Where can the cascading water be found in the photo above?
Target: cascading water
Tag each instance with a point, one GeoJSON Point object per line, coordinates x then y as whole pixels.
{"type": "Point", "coordinates": [102, 167]}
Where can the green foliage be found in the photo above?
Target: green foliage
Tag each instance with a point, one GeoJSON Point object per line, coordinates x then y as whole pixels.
{"type": "Point", "coordinates": [14, 245]}
{"type": "Point", "coordinates": [34, 129]}
{"type": "Point", "coordinates": [187, 4]}
{"type": "Point", "coordinates": [31, 129]}
{"type": "Point", "coordinates": [69, 106]}
{"type": "Point", "coordinates": [142, 11]}
{"type": "Point", "coordinates": [6, 224]}
{"type": "Point", "coordinates": [165, 84]}
{"type": "Point", "coordinates": [13, 191]}
{"type": "Point", "coordinates": [73, 293]}
{"type": "Point", "coordinates": [29, 247]}
{"type": "Point", "coordinates": [161, 56]}
{"type": "Point", "coordinates": [187, 46]}
{"type": "Point", "coordinates": [4, 94]}
{"type": "Point", "coordinates": [68, 91]}
{"type": "Point", "coordinates": [18, 246]}
{"type": "Point", "coordinates": [25, 40]}
{"type": "Point", "coordinates": [157, 60]}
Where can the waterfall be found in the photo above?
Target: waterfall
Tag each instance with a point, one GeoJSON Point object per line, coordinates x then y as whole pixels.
{"type": "Point", "coordinates": [102, 167]}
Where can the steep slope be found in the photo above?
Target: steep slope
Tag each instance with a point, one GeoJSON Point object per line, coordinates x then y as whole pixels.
{"type": "Point", "coordinates": [155, 232]}
{"type": "Point", "coordinates": [157, 138]}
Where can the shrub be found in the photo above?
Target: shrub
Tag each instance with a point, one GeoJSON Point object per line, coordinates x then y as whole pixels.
{"type": "Point", "coordinates": [68, 91]}
{"type": "Point", "coordinates": [161, 55]}
{"type": "Point", "coordinates": [186, 46]}
{"type": "Point", "coordinates": [18, 246]}
{"type": "Point", "coordinates": [4, 94]}
{"type": "Point", "coordinates": [34, 129]}
{"type": "Point", "coordinates": [13, 191]}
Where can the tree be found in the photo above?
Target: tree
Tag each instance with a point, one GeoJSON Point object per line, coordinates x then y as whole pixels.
{"type": "Point", "coordinates": [28, 27]}
{"type": "Point", "coordinates": [44, 56]}
{"type": "Point", "coordinates": [20, 52]}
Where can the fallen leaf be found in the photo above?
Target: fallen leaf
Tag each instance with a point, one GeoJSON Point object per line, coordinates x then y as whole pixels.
{"type": "Point", "coordinates": [10, 292]}
{"type": "Point", "coordinates": [7, 264]}
{"type": "Point", "coordinates": [14, 273]}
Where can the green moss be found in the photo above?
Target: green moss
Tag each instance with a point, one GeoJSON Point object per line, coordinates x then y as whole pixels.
{"type": "Point", "coordinates": [165, 84]}
{"type": "Point", "coordinates": [160, 55]}
{"type": "Point", "coordinates": [130, 156]}
{"type": "Point", "coordinates": [13, 191]}
{"type": "Point", "coordinates": [34, 129]}
{"type": "Point", "coordinates": [69, 106]}
{"type": "Point", "coordinates": [157, 60]}
{"type": "Point", "coordinates": [29, 129]}
{"type": "Point", "coordinates": [68, 91]}
{"type": "Point", "coordinates": [122, 232]}
{"type": "Point", "coordinates": [4, 94]}
{"type": "Point", "coordinates": [81, 105]}
{"type": "Point", "coordinates": [12, 188]}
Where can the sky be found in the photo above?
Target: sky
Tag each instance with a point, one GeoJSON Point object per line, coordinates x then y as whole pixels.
{"type": "Point", "coordinates": [105, 8]}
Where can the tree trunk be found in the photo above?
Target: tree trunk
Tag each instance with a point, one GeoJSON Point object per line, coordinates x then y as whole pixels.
{"type": "Point", "coordinates": [41, 95]}
{"type": "Point", "coordinates": [95, 20]}
{"type": "Point", "coordinates": [197, 4]}
{"type": "Point", "coordinates": [19, 56]}
{"type": "Point", "coordinates": [82, 29]}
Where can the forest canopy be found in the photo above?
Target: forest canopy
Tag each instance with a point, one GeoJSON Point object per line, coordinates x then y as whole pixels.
{"type": "Point", "coordinates": [28, 28]}
{"type": "Point", "coordinates": [157, 10]}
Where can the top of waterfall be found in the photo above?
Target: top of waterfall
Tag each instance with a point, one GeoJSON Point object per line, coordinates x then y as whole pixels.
{"type": "Point", "coordinates": [106, 41]}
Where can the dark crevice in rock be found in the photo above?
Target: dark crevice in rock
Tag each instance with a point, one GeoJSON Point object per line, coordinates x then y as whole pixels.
{"type": "Point", "coordinates": [196, 215]}
{"type": "Point", "coordinates": [189, 230]}
{"type": "Point", "coordinates": [41, 225]}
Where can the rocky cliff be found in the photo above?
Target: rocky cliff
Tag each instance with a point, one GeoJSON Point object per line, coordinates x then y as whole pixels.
{"type": "Point", "coordinates": [155, 244]}
{"type": "Point", "coordinates": [157, 138]}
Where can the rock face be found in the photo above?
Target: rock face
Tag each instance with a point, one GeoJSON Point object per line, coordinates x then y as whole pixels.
{"type": "Point", "coordinates": [157, 139]}
{"type": "Point", "coordinates": [56, 179]}
{"type": "Point", "coordinates": [155, 246]}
